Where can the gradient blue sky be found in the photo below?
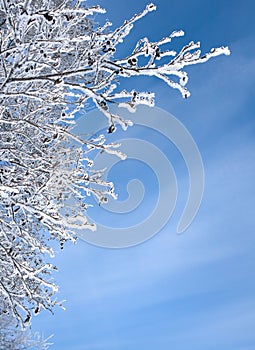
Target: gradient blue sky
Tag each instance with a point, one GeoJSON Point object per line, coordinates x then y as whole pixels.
{"type": "Point", "coordinates": [194, 291]}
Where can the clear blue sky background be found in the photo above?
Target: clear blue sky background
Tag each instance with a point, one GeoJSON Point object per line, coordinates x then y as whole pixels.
{"type": "Point", "coordinates": [194, 291]}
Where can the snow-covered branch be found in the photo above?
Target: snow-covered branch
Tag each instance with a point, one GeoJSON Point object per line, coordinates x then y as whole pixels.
{"type": "Point", "coordinates": [54, 61]}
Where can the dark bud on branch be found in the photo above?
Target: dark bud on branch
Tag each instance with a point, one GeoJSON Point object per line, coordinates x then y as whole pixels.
{"type": "Point", "coordinates": [111, 129]}
{"type": "Point", "coordinates": [48, 17]}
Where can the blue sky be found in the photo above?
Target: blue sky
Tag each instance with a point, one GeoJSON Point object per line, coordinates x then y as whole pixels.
{"type": "Point", "coordinates": [196, 290]}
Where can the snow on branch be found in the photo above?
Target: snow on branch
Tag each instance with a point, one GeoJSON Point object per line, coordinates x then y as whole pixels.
{"type": "Point", "coordinates": [54, 62]}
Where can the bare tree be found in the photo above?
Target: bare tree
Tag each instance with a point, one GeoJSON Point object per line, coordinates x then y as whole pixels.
{"type": "Point", "coordinates": [54, 61]}
{"type": "Point", "coordinates": [12, 338]}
